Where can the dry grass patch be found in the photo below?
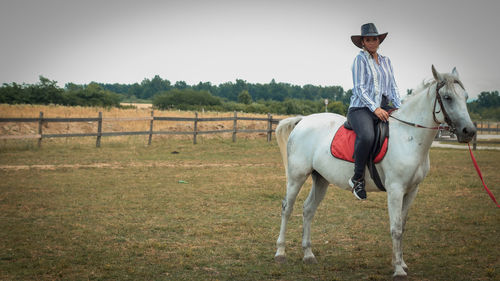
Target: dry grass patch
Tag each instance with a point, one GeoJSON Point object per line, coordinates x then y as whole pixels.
{"type": "Point", "coordinates": [55, 111]}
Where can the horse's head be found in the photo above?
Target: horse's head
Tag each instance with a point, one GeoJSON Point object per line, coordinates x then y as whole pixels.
{"type": "Point", "coordinates": [452, 98]}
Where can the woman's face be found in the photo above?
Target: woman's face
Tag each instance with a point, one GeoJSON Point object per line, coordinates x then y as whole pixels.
{"type": "Point", "coordinates": [371, 44]}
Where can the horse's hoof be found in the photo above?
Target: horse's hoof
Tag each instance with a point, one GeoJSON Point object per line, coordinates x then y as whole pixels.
{"type": "Point", "coordinates": [400, 278]}
{"type": "Point", "coordinates": [280, 259]}
{"type": "Point", "coordinates": [310, 260]}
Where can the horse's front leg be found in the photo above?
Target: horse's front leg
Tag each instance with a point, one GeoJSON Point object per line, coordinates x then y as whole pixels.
{"type": "Point", "coordinates": [395, 205]}
{"type": "Point", "coordinates": [407, 202]}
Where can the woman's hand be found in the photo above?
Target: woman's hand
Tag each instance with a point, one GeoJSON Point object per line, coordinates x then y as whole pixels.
{"type": "Point", "coordinates": [381, 114]}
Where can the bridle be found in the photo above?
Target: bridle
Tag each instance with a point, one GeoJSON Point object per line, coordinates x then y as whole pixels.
{"type": "Point", "coordinates": [451, 127]}
{"type": "Point", "coordinates": [439, 100]}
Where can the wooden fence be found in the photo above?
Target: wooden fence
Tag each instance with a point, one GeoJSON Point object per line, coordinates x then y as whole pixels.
{"type": "Point", "coordinates": [195, 132]}
{"type": "Point", "coordinates": [481, 127]}
{"type": "Point", "coordinates": [488, 127]}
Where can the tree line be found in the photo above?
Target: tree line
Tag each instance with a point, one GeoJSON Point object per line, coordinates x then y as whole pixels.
{"type": "Point", "coordinates": [190, 99]}
{"type": "Point", "coordinates": [229, 91]}
{"type": "Point", "coordinates": [273, 97]}
{"type": "Point", "coordinates": [47, 92]}
{"type": "Point", "coordinates": [486, 106]}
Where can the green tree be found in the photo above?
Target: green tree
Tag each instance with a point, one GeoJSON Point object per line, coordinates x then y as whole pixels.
{"type": "Point", "coordinates": [337, 107]}
{"type": "Point", "coordinates": [206, 86]}
{"type": "Point", "coordinates": [245, 97]}
{"type": "Point", "coordinates": [13, 94]}
{"type": "Point", "coordinates": [90, 95]}
{"type": "Point", "coordinates": [135, 90]}
{"type": "Point", "coordinates": [487, 106]}
{"type": "Point", "coordinates": [488, 99]}
{"type": "Point", "coordinates": [180, 85]}
{"type": "Point", "coordinates": [347, 97]}
{"type": "Point", "coordinates": [45, 92]}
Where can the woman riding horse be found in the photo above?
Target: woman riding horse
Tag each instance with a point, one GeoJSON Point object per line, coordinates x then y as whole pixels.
{"type": "Point", "coordinates": [374, 85]}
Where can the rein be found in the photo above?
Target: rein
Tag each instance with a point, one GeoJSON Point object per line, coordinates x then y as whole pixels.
{"type": "Point", "coordinates": [416, 125]}
{"type": "Point", "coordinates": [481, 177]}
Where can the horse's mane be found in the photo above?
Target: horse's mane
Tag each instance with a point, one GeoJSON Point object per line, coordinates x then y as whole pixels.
{"type": "Point", "coordinates": [421, 88]}
{"type": "Point", "coordinates": [427, 83]}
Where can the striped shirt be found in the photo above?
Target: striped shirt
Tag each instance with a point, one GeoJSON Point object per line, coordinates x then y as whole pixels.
{"type": "Point", "coordinates": [368, 88]}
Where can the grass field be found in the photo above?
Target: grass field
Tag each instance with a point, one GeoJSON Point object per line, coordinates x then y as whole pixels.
{"type": "Point", "coordinates": [126, 211]}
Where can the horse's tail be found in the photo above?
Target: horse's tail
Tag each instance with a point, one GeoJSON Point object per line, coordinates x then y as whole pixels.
{"type": "Point", "coordinates": [283, 131]}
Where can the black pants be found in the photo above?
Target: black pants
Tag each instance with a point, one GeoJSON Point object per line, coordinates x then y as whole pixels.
{"type": "Point", "coordinates": [363, 122]}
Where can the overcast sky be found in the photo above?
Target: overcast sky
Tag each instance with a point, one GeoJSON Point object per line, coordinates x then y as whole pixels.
{"type": "Point", "coordinates": [295, 41]}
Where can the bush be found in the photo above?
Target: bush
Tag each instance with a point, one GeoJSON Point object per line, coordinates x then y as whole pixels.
{"type": "Point", "coordinates": [44, 92]}
{"type": "Point", "coordinates": [245, 97]}
{"type": "Point", "coordinates": [90, 95]}
{"type": "Point", "coordinates": [186, 99]}
{"type": "Point", "coordinates": [47, 92]}
{"type": "Point", "coordinates": [257, 108]}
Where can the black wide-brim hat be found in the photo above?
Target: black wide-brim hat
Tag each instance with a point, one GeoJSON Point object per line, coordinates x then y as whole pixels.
{"type": "Point", "coordinates": [367, 29]}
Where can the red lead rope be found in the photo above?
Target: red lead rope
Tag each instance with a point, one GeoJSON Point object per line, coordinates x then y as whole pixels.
{"type": "Point", "coordinates": [481, 177]}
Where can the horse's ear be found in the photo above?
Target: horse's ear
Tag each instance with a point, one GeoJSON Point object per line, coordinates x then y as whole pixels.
{"type": "Point", "coordinates": [455, 72]}
{"type": "Point", "coordinates": [436, 74]}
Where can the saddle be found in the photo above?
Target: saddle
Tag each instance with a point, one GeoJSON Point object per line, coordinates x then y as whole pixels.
{"type": "Point", "coordinates": [342, 147]}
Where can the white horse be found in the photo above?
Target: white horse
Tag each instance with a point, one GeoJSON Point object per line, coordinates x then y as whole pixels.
{"type": "Point", "coordinates": [305, 147]}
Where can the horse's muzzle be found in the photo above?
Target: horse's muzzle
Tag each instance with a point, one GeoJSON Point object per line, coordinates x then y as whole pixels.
{"type": "Point", "coordinates": [466, 133]}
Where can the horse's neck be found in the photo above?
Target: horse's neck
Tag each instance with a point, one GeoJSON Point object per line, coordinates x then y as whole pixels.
{"type": "Point", "coordinates": [419, 110]}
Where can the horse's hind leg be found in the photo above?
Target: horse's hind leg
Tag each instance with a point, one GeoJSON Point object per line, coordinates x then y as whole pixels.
{"type": "Point", "coordinates": [318, 191]}
{"type": "Point", "coordinates": [295, 182]}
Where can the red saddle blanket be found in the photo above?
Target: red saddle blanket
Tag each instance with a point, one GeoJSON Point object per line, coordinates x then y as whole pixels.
{"type": "Point", "coordinates": [343, 146]}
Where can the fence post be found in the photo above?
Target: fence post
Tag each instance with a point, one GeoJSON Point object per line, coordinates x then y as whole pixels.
{"type": "Point", "coordinates": [269, 127]}
{"type": "Point", "coordinates": [99, 131]}
{"type": "Point", "coordinates": [234, 126]}
{"type": "Point", "coordinates": [474, 140]}
{"type": "Point", "coordinates": [151, 127]}
{"type": "Point", "coordinates": [195, 127]}
{"type": "Point", "coordinates": [40, 126]}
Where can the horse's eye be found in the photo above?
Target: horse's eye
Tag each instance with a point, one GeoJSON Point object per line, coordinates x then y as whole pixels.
{"type": "Point", "coordinates": [447, 97]}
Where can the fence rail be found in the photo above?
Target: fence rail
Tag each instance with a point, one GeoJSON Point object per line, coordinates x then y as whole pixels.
{"type": "Point", "coordinates": [481, 127]}
{"type": "Point", "coordinates": [445, 135]}
{"type": "Point", "coordinates": [100, 119]}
